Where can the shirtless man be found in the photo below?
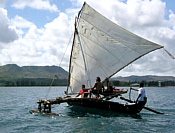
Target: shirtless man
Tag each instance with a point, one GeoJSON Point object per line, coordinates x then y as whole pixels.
{"type": "Point", "coordinates": [97, 88]}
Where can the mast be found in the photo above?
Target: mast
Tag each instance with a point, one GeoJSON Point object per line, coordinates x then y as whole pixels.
{"type": "Point", "coordinates": [76, 33]}
{"type": "Point", "coordinates": [68, 80]}
{"type": "Point", "coordinates": [85, 65]}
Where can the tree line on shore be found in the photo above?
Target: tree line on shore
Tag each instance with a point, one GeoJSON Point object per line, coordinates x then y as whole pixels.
{"type": "Point", "coordinates": [33, 82]}
{"type": "Point", "coordinates": [146, 83]}
{"type": "Point", "coordinates": [63, 82]}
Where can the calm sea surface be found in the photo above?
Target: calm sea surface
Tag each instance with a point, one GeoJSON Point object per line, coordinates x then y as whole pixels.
{"type": "Point", "coordinates": [15, 103]}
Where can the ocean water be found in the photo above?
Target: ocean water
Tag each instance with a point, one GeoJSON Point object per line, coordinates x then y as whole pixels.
{"type": "Point", "coordinates": [15, 103]}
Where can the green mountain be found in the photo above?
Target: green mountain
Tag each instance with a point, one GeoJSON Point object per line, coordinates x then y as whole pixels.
{"type": "Point", "coordinates": [15, 72]}
{"type": "Point", "coordinates": [14, 75]}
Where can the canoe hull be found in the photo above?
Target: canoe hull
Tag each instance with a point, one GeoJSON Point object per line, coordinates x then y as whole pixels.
{"type": "Point", "coordinates": [105, 105]}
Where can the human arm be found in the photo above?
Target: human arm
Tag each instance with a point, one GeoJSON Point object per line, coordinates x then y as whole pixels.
{"type": "Point", "coordinates": [95, 85]}
{"type": "Point", "coordinates": [139, 94]}
{"type": "Point", "coordinates": [103, 88]}
{"type": "Point", "coordinates": [138, 97]}
{"type": "Point", "coordinates": [80, 93]}
{"type": "Point", "coordinates": [134, 89]}
{"type": "Point", "coordinates": [77, 95]}
{"type": "Point", "coordinates": [108, 85]}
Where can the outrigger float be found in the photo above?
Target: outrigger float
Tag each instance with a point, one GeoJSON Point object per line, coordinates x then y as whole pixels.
{"type": "Point", "coordinates": [100, 48]}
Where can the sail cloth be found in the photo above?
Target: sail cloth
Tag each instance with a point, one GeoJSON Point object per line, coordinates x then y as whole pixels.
{"type": "Point", "coordinates": [107, 48]}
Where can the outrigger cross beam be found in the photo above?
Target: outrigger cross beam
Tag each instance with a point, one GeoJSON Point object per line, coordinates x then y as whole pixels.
{"type": "Point", "coordinates": [44, 106]}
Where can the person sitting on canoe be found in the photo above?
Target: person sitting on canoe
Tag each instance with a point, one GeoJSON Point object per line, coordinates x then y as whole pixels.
{"type": "Point", "coordinates": [82, 92]}
{"type": "Point", "coordinates": [109, 86]}
{"type": "Point", "coordinates": [98, 88]}
{"type": "Point", "coordinates": [141, 99]}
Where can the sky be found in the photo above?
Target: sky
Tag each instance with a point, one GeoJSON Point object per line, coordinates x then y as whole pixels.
{"type": "Point", "coordinates": [39, 32]}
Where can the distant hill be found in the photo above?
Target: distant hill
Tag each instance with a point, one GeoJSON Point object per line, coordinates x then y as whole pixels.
{"type": "Point", "coordinates": [146, 78]}
{"type": "Point", "coordinates": [16, 72]}
{"type": "Point", "coordinates": [14, 75]}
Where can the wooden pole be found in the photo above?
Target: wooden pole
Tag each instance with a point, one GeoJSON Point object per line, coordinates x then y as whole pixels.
{"type": "Point", "coordinates": [49, 106]}
{"type": "Point", "coordinates": [39, 106]}
{"type": "Point", "coordinates": [122, 98]}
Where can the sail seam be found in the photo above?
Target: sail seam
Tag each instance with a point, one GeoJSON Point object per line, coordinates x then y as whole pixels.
{"type": "Point", "coordinates": [93, 57]}
{"type": "Point", "coordinates": [110, 37]}
{"type": "Point", "coordinates": [104, 48]}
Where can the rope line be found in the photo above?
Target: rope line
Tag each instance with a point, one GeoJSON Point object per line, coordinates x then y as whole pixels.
{"type": "Point", "coordinates": [48, 91]}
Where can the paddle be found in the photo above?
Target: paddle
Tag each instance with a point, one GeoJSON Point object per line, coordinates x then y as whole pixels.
{"type": "Point", "coordinates": [122, 98]}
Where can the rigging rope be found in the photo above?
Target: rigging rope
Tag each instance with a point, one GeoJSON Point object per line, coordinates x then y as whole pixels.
{"type": "Point", "coordinates": [48, 91]}
{"type": "Point", "coordinates": [130, 93]}
{"type": "Point", "coordinates": [169, 54]}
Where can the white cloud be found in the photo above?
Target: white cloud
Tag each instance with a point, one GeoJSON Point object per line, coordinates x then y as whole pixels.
{"type": "Point", "coordinates": [43, 46]}
{"type": "Point", "coordinates": [140, 13]}
{"type": "Point", "coordinates": [36, 4]}
{"type": "Point", "coordinates": [20, 22]}
{"type": "Point", "coordinates": [172, 19]}
{"type": "Point", "coordinates": [2, 2]}
{"type": "Point", "coordinates": [7, 34]}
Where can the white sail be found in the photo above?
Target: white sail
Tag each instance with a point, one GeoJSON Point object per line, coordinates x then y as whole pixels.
{"type": "Point", "coordinates": [107, 48]}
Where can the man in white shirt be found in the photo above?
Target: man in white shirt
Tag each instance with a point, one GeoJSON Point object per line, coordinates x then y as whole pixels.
{"type": "Point", "coordinates": [141, 99]}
